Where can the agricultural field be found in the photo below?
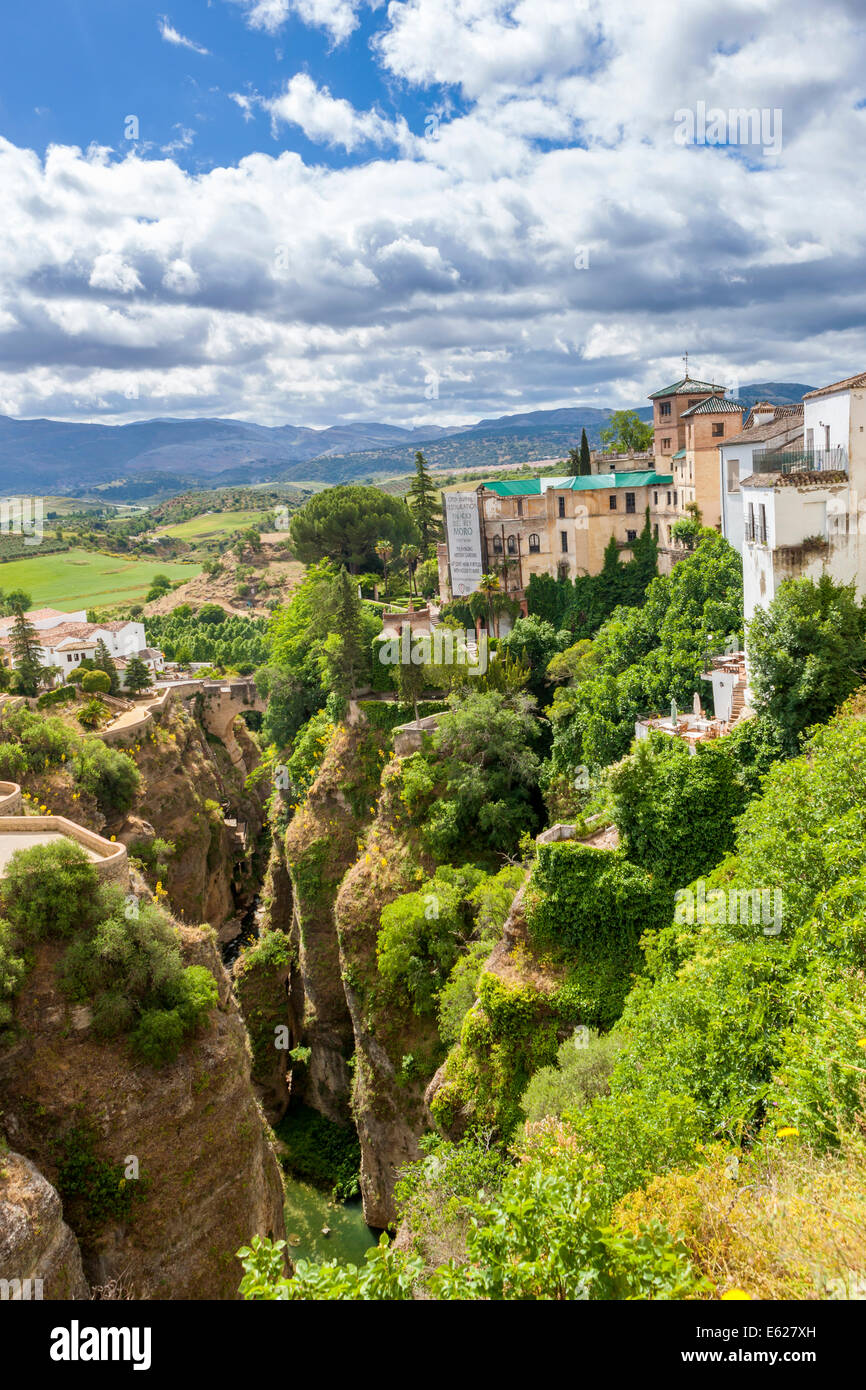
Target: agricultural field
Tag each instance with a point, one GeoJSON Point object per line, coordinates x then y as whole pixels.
{"type": "Point", "coordinates": [213, 525]}
{"type": "Point", "coordinates": [74, 579]}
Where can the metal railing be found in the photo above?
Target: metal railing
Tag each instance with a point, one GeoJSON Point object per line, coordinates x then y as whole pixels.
{"type": "Point", "coordinates": [755, 531]}
{"type": "Point", "coordinates": [799, 460]}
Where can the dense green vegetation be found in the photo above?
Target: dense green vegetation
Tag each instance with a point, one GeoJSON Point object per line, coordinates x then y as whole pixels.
{"type": "Point", "coordinates": [210, 635]}
{"type": "Point", "coordinates": [121, 956]}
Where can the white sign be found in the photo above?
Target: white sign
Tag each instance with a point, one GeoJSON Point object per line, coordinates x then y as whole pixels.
{"type": "Point", "coordinates": [464, 542]}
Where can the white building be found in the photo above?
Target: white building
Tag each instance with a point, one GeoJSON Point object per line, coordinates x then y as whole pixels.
{"type": "Point", "coordinates": [802, 506]}
{"type": "Point", "coordinates": [67, 639]}
{"type": "Point", "coordinates": [766, 429]}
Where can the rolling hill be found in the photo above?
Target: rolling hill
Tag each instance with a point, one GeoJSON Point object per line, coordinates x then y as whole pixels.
{"type": "Point", "coordinates": [153, 458]}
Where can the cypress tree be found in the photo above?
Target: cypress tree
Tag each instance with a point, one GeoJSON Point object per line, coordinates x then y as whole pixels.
{"type": "Point", "coordinates": [422, 503]}
{"type": "Point", "coordinates": [585, 466]}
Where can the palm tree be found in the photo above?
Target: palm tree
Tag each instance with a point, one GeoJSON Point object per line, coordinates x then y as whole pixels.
{"type": "Point", "coordinates": [412, 555]}
{"type": "Point", "coordinates": [489, 586]}
{"type": "Point", "coordinates": [385, 551]}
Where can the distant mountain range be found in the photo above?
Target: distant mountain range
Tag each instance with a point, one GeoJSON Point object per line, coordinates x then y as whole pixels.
{"type": "Point", "coordinates": [153, 458]}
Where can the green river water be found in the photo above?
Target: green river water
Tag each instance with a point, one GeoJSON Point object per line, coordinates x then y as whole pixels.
{"type": "Point", "coordinates": [308, 1209]}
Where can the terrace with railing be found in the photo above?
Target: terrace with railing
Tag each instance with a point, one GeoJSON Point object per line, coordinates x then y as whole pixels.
{"type": "Point", "coordinates": [800, 460]}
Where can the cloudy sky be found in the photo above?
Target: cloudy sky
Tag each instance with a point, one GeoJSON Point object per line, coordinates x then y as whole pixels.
{"type": "Point", "coordinates": [312, 211]}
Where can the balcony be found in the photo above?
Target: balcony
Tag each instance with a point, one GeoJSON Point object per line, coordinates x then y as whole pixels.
{"type": "Point", "coordinates": [756, 531]}
{"type": "Point", "coordinates": [800, 460]}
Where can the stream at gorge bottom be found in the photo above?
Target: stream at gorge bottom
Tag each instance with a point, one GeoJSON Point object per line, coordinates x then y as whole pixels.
{"type": "Point", "coordinates": [308, 1209]}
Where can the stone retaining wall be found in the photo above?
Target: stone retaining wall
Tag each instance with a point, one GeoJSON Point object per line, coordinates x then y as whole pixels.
{"type": "Point", "coordinates": [11, 802]}
{"type": "Point", "coordinates": [111, 865]}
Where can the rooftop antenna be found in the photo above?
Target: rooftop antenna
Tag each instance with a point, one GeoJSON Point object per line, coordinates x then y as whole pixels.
{"type": "Point", "coordinates": [686, 360]}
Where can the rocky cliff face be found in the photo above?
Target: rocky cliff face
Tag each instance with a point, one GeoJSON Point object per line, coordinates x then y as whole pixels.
{"type": "Point", "coordinates": [35, 1241]}
{"type": "Point", "coordinates": [208, 1178]}
{"type": "Point", "coordinates": [321, 844]}
{"type": "Point", "coordinates": [188, 776]}
{"type": "Point", "coordinates": [396, 1051]}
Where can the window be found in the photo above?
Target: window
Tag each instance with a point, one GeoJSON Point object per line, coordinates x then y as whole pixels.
{"type": "Point", "coordinates": [563, 539]}
{"type": "Point", "coordinates": [612, 502]}
{"type": "Point", "coordinates": [666, 444]}
{"type": "Point", "coordinates": [655, 499]}
{"type": "Point", "coordinates": [733, 475]}
{"type": "Point", "coordinates": [534, 544]}
{"type": "Point", "coordinates": [669, 499]}
{"type": "Point", "coordinates": [750, 523]}
{"type": "Point", "coordinates": [629, 502]}
{"type": "Point", "coordinates": [718, 430]}
{"type": "Point", "coordinates": [631, 535]}
{"type": "Point", "coordinates": [664, 408]}
{"type": "Point", "coordinates": [497, 544]}
{"type": "Point", "coordinates": [520, 506]}
{"type": "Point", "coordinates": [512, 545]}
{"type": "Point", "coordinates": [675, 497]}
{"type": "Point", "coordinates": [656, 530]}
{"type": "Point", "coordinates": [561, 501]}
{"type": "Point", "coordinates": [762, 523]}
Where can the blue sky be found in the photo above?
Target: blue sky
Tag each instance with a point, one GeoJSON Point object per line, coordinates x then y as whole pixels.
{"type": "Point", "coordinates": [72, 70]}
{"type": "Point", "coordinates": [425, 211]}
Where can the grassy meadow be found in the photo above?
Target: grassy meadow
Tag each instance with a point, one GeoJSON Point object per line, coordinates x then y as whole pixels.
{"type": "Point", "coordinates": [76, 579]}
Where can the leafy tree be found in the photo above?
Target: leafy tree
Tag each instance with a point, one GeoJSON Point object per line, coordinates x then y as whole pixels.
{"type": "Point", "coordinates": [427, 578]}
{"type": "Point", "coordinates": [344, 523]}
{"type": "Point", "coordinates": [137, 675]}
{"type": "Point", "coordinates": [806, 654]}
{"type": "Point", "coordinates": [675, 810]}
{"type": "Point", "coordinates": [96, 682]}
{"type": "Point", "coordinates": [483, 771]}
{"type": "Point", "coordinates": [16, 601]}
{"type": "Point", "coordinates": [626, 432]}
{"type": "Point", "coordinates": [423, 505]}
{"type": "Point", "coordinates": [535, 642]}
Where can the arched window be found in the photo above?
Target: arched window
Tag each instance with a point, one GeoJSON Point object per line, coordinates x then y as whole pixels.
{"type": "Point", "coordinates": [497, 544]}
{"type": "Point", "coordinates": [512, 545]}
{"type": "Point", "coordinates": [534, 544]}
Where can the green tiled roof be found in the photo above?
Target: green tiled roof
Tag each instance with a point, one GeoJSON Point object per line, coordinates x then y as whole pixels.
{"type": "Point", "coordinates": [680, 454]}
{"type": "Point", "coordinates": [613, 480]}
{"type": "Point", "coordinates": [714, 405]}
{"type": "Point", "coordinates": [530, 487]}
{"type": "Point", "coordinates": [686, 386]}
{"type": "Point", "coordinates": [591, 482]}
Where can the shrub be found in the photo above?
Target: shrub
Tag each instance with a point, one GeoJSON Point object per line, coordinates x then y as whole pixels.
{"type": "Point", "coordinates": [158, 1037]}
{"type": "Point", "coordinates": [50, 890]}
{"type": "Point", "coordinates": [582, 1072]}
{"type": "Point", "coordinates": [96, 682]}
{"type": "Point", "coordinates": [109, 775]}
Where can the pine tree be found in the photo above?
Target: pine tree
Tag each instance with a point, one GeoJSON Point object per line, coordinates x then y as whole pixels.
{"type": "Point", "coordinates": [137, 676]}
{"type": "Point", "coordinates": [26, 651]}
{"type": "Point", "coordinates": [422, 503]}
{"type": "Point", "coordinates": [585, 467]}
{"type": "Point", "coordinates": [344, 655]}
{"type": "Point", "coordinates": [103, 662]}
